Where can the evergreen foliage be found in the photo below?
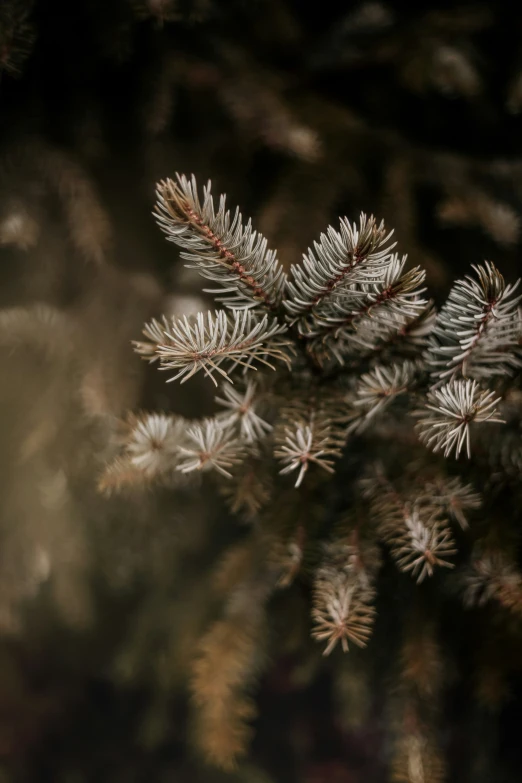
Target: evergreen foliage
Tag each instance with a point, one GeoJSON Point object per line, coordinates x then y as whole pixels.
{"type": "Point", "coordinates": [337, 392]}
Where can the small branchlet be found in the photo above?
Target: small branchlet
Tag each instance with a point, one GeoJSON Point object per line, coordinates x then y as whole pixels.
{"type": "Point", "coordinates": [148, 450]}
{"type": "Point", "coordinates": [453, 497]}
{"type": "Point", "coordinates": [418, 537]}
{"type": "Point", "coordinates": [356, 255]}
{"type": "Point", "coordinates": [445, 423]}
{"type": "Point", "coordinates": [424, 543]}
{"type": "Point", "coordinates": [210, 445]}
{"type": "Point", "coordinates": [301, 444]}
{"type": "Point", "coordinates": [478, 330]}
{"type": "Point", "coordinates": [153, 441]}
{"type": "Point", "coordinates": [357, 323]}
{"type": "Point", "coordinates": [377, 389]}
{"type": "Point", "coordinates": [344, 593]}
{"type": "Point", "coordinates": [241, 411]}
{"type": "Point", "coordinates": [492, 576]}
{"type": "Point", "coordinates": [199, 343]}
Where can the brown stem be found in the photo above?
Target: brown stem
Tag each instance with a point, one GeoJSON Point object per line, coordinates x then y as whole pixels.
{"type": "Point", "coordinates": [226, 255]}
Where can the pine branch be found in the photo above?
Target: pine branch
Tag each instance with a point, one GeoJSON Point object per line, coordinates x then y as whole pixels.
{"type": "Point", "coordinates": [424, 544]}
{"type": "Point", "coordinates": [453, 497]}
{"type": "Point", "coordinates": [219, 246]}
{"type": "Point", "coordinates": [419, 539]}
{"type": "Point", "coordinates": [153, 441]}
{"type": "Point", "coordinates": [210, 445]}
{"type": "Point", "coordinates": [240, 411]}
{"type": "Point", "coordinates": [228, 661]}
{"type": "Point", "coordinates": [377, 389]}
{"type": "Point", "coordinates": [341, 260]}
{"type": "Point", "coordinates": [359, 322]}
{"type": "Point", "coordinates": [445, 422]}
{"type": "Point", "coordinates": [194, 344]}
{"type": "Point", "coordinates": [300, 444]}
{"type": "Point", "coordinates": [493, 576]}
{"type": "Point", "coordinates": [478, 330]}
{"type": "Point", "coordinates": [149, 445]}
{"type": "Point", "coordinates": [397, 294]}
{"type": "Point", "coordinates": [344, 593]}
